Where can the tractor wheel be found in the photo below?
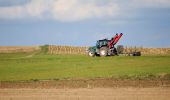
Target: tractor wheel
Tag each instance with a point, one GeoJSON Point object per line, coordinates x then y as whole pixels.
{"type": "Point", "coordinates": [103, 51]}
{"type": "Point", "coordinates": [91, 54]}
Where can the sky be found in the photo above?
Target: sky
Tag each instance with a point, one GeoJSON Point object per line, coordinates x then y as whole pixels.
{"type": "Point", "coordinates": [144, 23]}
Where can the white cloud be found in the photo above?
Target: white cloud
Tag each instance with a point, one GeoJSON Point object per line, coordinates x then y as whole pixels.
{"type": "Point", "coordinates": [33, 9]}
{"type": "Point", "coordinates": [75, 10]}
{"type": "Point", "coordinates": [63, 10]}
{"type": "Point", "coordinates": [78, 10]}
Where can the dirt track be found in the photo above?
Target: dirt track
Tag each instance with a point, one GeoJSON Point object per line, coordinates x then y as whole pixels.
{"type": "Point", "coordinates": [86, 83]}
{"type": "Point", "coordinates": [86, 94]}
{"type": "Point", "coordinates": [92, 89]}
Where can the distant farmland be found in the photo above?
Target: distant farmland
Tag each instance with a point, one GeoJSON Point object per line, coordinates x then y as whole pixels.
{"type": "Point", "coordinates": [53, 49]}
{"type": "Point", "coordinates": [19, 49]}
{"type": "Point", "coordinates": [81, 50]}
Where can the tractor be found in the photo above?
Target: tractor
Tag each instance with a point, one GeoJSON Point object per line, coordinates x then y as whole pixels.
{"type": "Point", "coordinates": [105, 47]}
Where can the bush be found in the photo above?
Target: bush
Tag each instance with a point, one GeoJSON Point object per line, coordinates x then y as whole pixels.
{"type": "Point", "coordinates": [44, 49]}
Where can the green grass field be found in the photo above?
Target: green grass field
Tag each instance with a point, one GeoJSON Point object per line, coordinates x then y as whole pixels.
{"type": "Point", "coordinates": [17, 67]}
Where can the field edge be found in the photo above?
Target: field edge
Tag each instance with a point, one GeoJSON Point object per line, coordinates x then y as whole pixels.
{"type": "Point", "coordinates": [86, 83]}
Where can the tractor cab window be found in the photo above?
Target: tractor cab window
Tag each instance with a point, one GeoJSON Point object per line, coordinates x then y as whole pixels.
{"type": "Point", "coordinates": [101, 43]}
{"type": "Point", "coordinates": [98, 44]}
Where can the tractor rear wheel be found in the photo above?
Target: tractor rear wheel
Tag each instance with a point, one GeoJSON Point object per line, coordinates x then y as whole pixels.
{"type": "Point", "coordinates": [103, 51]}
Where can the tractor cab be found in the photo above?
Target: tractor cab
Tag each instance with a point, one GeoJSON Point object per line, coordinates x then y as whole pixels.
{"type": "Point", "coordinates": [101, 43]}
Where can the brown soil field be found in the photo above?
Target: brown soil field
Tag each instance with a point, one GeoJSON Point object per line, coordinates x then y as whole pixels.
{"type": "Point", "coordinates": [86, 94]}
{"type": "Point", "coordinates": [18, 49]}
{"type": "Point", "coordinates": [90, 89]}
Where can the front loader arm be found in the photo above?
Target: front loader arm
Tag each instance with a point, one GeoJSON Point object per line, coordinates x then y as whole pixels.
{"type": "Point", "coordinates": [114, 40]}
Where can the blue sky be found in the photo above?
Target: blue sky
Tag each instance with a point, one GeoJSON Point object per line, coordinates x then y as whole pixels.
{"type": "Point", "coordinates": [81, 22]}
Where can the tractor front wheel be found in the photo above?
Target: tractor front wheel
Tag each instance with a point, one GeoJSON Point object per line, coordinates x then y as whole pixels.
{"type": "Point", "coordinates": [103, 51]}
{"type": "Point", "coordinates": [91, 54]}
